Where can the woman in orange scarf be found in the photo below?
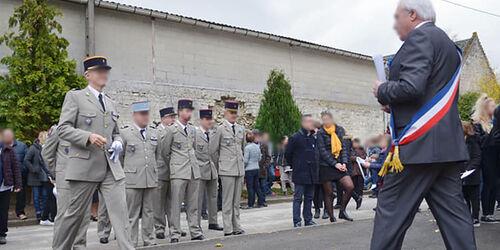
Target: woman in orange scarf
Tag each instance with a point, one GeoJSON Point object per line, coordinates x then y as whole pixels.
{"type": "Point", "coordinates": [333, 164]}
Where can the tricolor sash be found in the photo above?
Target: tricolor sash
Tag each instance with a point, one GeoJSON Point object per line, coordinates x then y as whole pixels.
{"type": "Point", "coordinates": [428, 116]}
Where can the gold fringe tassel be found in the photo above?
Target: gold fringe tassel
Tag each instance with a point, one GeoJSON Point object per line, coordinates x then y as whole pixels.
{"type": "Point", "coordinates": [392, 161]}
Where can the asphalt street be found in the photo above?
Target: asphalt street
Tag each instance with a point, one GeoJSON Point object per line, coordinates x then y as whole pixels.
{"type": "Point", "coordinates": [272, 228]}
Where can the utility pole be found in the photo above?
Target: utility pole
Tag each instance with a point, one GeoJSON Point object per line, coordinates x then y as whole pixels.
{"type": "Point", "coordinates": [90, 29]}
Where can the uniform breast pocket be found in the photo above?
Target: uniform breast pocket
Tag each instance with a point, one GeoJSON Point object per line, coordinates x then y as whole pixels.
{"type": "Point", "coordinates": [228, 141]}
{"type": "Point", "coordinates": [65, 147]}
{"type": "Point", "coordinates": [87, 118]}
{"type": "Point", "coordinates": [79, 153]}
{"type": "Point", "coordinates": [131, 148]}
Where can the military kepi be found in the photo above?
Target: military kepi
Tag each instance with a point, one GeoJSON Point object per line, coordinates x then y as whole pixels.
{"type": "Point", "coordinates": [94, 62]}
{"type": "Point", "coordinates": [167, 112]}
{"type": "Point", "coordinates": [231, 105]}
{"type": "Point", "coordinates": [140, 106]}
{"type": "Point", "coordinates": [185, 104]}
{"type": "Point", "coordinates": [206, 113]}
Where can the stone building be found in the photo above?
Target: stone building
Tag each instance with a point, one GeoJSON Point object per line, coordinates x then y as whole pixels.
{"type": "Point", "coordinates": [161, 57]}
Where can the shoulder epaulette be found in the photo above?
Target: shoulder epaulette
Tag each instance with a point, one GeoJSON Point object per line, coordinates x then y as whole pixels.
{"type": "Point", "coordinates": [75, 89]}
{"type": "Point", "coordinates": [347, 137]}
{"type": "Point", "coordinates": [153, 127]}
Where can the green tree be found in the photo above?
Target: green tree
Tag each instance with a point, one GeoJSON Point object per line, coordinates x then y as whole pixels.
{"type": "Point", "coordinates": [278, 113]}
{"type": "Point", "coordinates": [465, 104]}
{"type": "Point", "coordinates": [39, 71]}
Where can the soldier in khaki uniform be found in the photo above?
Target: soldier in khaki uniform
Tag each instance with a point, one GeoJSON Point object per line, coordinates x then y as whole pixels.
{"type": "Point", "coordinates": [227, 150]}
{"type": "Point", "coordinates": [139, 163]}
{"type": "Point", "coordinates": [55, 154]}
{"type": "Point", "coordinates": [177, 149]}
{"type": "Point", "coordinates": [88, 122]}
{"type": "Point", "coordinates": [162, 201]}
{"type": "Point", "coordinates": [208, 171]}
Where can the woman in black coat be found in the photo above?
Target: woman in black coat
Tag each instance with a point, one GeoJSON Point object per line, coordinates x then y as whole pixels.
{"type": "Point", "coordinates": [471, 183]}
{"type": "Point", "coordinates": [333, 164]}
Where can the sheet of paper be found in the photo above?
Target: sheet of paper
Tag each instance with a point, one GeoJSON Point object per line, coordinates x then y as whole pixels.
{"type": "Point", "coordinates": [467, 173]}
{"type": "Point", "coordinates": [378, 60]}
{"type": "Point", "coordinates": [360, 165]}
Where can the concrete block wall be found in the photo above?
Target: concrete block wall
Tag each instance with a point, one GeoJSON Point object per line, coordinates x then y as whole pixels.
{"type": "Point", "coordinates": [162, 61]}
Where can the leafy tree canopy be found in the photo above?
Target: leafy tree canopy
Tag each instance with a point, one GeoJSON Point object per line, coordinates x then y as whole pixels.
{"type": "Point", "coordinates": [278, 113]}
{"type": "Point", "coordinates": [39, 71]}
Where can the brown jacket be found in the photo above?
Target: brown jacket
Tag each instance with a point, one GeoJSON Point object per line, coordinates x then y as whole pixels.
{"type": "Point", "coordinates": [265, 161]}
{"type": "Point", "coordinates": [10, 168]}
{"type": "Point", "coordinates": [356, 152]}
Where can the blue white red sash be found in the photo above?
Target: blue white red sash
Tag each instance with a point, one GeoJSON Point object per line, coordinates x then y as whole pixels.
{"type": "Point", "coordinates": [428, 116]}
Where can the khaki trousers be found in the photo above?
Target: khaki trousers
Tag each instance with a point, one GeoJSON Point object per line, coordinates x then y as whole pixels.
{"type": "Point", "coordinates": [210, 186]}
{"type": "Point", "coordinates": [231, 196]}
{"type": "Point", "coordinates": [103, 223]}
{"type": "Point", "coordinates": [71, 221]}
{"type": "Point", "coordinates": [184, 189]}
{"type": "Point", "coordinates": [141, 199]}
{"type": "Point", "coordinates": [63, 197]}
{"type": "Point", "coordinates": [162, 206]}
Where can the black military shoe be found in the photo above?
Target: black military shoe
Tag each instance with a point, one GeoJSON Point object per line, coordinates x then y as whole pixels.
{"type": "Point", "coordinates": [239, 232]}
{"type": "Point", "coordinates": [317, 213]}
{"type": "Point", "coordinates": [104, 240]}
{"type": "Point", "coordinates": [160, 236]}
{"type": "Point", "coordinates": [183, 234]}
{"type": "Point", "coordinates": [228, 234]}
{"type": "Point", "coordinates": [358, 202]}
{"type": "Point", "coordinates": [174, 241]}
{"type": "Point", "coordinates": [201, 237]}
{"type": "Point", "coordinates": [215, 227]}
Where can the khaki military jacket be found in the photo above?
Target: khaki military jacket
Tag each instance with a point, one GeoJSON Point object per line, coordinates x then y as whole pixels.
{"type": "Point", "coordinates": [163, 165]}
{"type": "Point", "coordinates": [228, 149]}
{"type": "Point", "coordinates": [55, 154]}
{"type": "Point", "coordinates": [81, 115]}
{"type": "Point", "coordinates": [178, 150]}
{"type": "Point", "coordinates": [208, 171]}
{"type": "Point", "coordinates": [139, 157]}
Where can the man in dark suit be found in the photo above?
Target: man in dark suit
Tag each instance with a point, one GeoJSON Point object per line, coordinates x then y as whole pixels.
{"type": "Point", "coordinates": [424, 65]}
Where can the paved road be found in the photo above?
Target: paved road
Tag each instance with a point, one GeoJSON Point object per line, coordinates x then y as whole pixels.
{"type": "Point", "coordinates": [271, 228]}
{"type": "Point", "coordinates": [422, 235]}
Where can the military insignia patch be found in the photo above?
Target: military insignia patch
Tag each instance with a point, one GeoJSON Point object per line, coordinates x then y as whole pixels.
{"type": "Point", "coordinates": [154, 138]}
{"type": "Point", "coordinates": [228, 142]}
{"type": "Point", "coordinates": [88, 121]}
{"type": "Point", "coordinates": [50, 131]}
{"type": "Point", "coordinates": [132, 148]}
{"type": "Point", "coordinates": [66, 150]}
{"type": "Point", "coordinates": [179, 145]}
{"type": "Point", "coordinates": [201, 147]}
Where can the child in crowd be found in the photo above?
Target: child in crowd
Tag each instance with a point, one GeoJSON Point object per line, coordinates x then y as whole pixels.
{"type": "Point", "coordinates": [284, 167]}
{"type": "Point", "coordinates": [376, 163]}
{"type": "Point", "coordinates": [471, 183]}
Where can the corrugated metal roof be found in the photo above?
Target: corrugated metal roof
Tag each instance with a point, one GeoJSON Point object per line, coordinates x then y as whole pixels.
{"type": "Point", "coordinates": [222, 27]}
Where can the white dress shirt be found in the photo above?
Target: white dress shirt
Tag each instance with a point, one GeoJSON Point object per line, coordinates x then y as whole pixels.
{"type": "Point", "coordinates": [96, 94]}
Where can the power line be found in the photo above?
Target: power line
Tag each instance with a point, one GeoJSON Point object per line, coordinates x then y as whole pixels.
{"type": "Point", "coordinates": [470, 8]}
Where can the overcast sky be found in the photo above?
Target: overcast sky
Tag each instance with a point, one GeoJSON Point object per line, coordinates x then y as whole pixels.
{"type": "Point", "coordinates": [363, 26]}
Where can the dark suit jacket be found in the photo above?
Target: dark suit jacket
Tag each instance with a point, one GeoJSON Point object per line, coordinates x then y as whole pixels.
{"type": "Point", "coordinates": [424, 64]}
{"type": "Point", "coordinates": [302, 154]}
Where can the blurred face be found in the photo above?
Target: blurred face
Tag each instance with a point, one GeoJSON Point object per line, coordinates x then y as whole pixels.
{"type": "Point", "coordinates": [404, 22]}
{"type": "Point", "coordinates": [168, 120]}
{"type": "Point", "coordinates": [256, 138]}
{"type": "Point", "coordinates": [327, 120]}
{"type": "Point", "coordinates": [384, 141]}
{"type": "Point", "coordinates": [230, 116]}
{"type": "Point", "coordinates": [8, 136]}
{"type": "Point", "coordinates": [185, 114]}
{"type": "Point", "coordinates": [308, 123]}
{"type": "Point", "coordinates": [355, 144]}
{"type": "Point", "coordinates": [97, 77]}
{"type": "Point", "coordinates": [265, 137]}
{"type": "Point", "coordinates": [141, 118]}
{"type": "Point", "coordinates": [490, 108]}
{"type": "Point", "coordinates": [206, 123]}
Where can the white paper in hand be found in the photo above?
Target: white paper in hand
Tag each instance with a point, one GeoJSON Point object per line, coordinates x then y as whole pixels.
{"type": "Point", "coordinates": [360, 165]}
{"type": "Point", "coordinates": [378, 60]}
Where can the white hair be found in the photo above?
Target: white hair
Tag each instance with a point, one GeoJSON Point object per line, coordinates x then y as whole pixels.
{"type": "Point", "coordinates": [423, 8]}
